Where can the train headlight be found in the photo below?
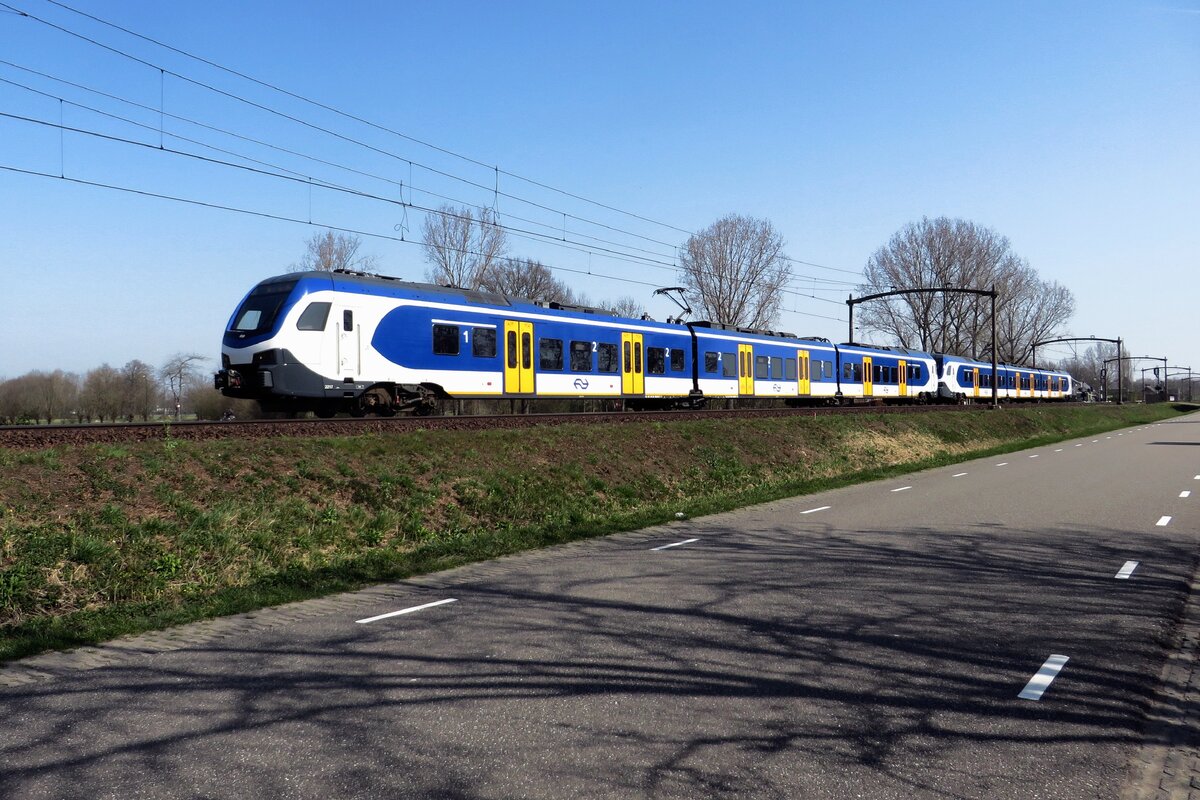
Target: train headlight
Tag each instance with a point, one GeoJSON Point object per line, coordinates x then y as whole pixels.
{"type": "Point", "coordinates": [266, 357]}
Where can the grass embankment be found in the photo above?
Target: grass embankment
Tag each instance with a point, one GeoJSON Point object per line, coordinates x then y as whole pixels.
{"type": "Point", "coordinates": [100, 541]}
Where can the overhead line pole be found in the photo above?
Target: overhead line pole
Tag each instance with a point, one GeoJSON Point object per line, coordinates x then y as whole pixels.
{"type": "Point", "coordinates": [992, 293]}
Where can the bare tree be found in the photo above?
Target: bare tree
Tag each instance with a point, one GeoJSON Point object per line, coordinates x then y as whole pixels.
{"type": "Point", "coordinates": [102, 395]}
{"type": "Point", "coordinates": [49, 395]}
{"type": "Point", "coordinates": [176, 374]}
{"type": "Point", "coordinates": [332, 250]}
{"type": "Point", "coordinates": [735, 270]}
{"type": "Point", "coordinates": [141, 394]}
{"type": "Point", "coordinates": [527, 279]}
{"type": "Point", "coordinates": [626, 306]}
{"type": "Point", "coordinates": [17, 403]}
{"type": "Point", "coordinates": [462, 246]}
{"type": "Point", "coordinates": [957, 253]}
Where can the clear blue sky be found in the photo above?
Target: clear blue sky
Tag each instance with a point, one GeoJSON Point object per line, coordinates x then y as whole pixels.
{"type": "Point", "coordinates": [1069, 127]}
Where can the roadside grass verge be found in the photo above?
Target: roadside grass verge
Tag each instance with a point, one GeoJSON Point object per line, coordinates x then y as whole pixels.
{"type": "Point", "coordinates": [101, 541]}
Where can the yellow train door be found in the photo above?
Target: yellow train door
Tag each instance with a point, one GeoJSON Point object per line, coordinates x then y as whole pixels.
{"type": "Point", "coordinates": [805, 380]}
{"type": "Point", "coordinates": [902, 373]}
{"type": "Point", "coordinates": [633, 375]}
{"type": "Point", "coordinates": [518, 357]}
{"type": "Point", "coordinates": [975, 380]}
{"type": "Point", "coordinates": [868, 384]}
{"type": "Point", "coordinates": [746, 369]}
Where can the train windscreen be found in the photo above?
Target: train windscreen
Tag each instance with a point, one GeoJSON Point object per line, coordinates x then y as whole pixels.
{"type": "Point", "coordinates": [261, 307]}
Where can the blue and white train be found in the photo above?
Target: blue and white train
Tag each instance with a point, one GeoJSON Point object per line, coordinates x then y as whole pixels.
{"type": "Point", "coordinates": [347, 342]}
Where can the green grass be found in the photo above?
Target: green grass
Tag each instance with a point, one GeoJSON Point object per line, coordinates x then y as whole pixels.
{"type": "Point", "coordinates": [101, 541]}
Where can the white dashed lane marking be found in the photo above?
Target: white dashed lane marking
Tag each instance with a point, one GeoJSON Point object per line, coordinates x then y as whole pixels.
{"type": "Point", "coordinates": [1002, 464]}
{"type": "Point", "coordinates": [959, 475]}
{"type": "Point", "coordinates": [1185, 494]}
{"type": "Point", "coordinates": [902, 489]}
{"type": "Point", "coordinates": [1163, 521]}
{"type": "Point", "coordinates": [1126, 570]}
{"type": "Point", "coordinates": [1044, 677]}
{"type": "Point", "coordinates": [814, 510]}
{"type": "Point", "coordinates": [674, 544]}
{"type": "Point", "coordinates": [406, 611]}
{"type": "Point", "coordinates": [1033, 456]}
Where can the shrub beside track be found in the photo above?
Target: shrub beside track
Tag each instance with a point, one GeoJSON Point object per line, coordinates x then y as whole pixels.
{"type": "Point", "coordinates": [100, 540]}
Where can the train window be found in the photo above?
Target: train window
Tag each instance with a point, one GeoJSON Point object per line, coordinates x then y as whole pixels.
{"type": "Point", "coordinates": [656, 360]}
{"type": "Point", "coordinates": [789, 369]}
{"type": "Point", "coordinates": [827, 370]}
{"type": "Point", "coordinates": [637, 358]}
{"type": "Point", "coordinates": [511, 346]}
{"type": "Point", "coordinates": [445, 340]}
{"type": "Point", "coordinates": [628, 352]}
{"type": "Point", "coordinates": [581, 356]}
{"type": "Point", "coordinates": [348, 321]}
{"type": "Point", "coordinates": [262, 306]}
{"type": "Point", "coordinates": [314, 317]}
{"type": "Point", "coordinates": [526, 350]}
{"type": "Point", "coordinates": [729, 365]}
{"type": "Point", "coordinates": [483, 342]}
{"type": "Point", "coordinates": [776, 368]}
{"type": "Point", "coordinates": [606, 356]}
{"type": "Point", "coordinates": [677, 359]}
{"type": "Point", "coordinates": [762, 367]}
{"type": "Point", "coordinates": [877, 373]}
{"type": "Point", "coordinates": [551, 353]}
{"type": "Point", "coordinates": [712, 362]}
{"type": "Point", "coordinates": [852, 372]}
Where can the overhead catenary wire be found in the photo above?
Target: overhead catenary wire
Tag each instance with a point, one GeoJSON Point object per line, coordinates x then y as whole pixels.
{"type": "Point", "coordinates": [295, 220]}
{"type": "Point", "coordinates": [294, 175]}
{"type": "Point", "coordinates": [347, 115]}
{"type": "Point", "coordinates": [532, 235]}
{"type": "Point", "coordinates": [316, 159]}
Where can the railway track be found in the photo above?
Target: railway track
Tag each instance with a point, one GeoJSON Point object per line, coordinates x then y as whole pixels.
{"type": "Point", "coordinates": [32, 437]}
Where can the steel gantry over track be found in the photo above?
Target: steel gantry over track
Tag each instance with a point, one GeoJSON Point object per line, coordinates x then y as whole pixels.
{"type": "Point", "coordinates": [1117, 342]}
{"type": "Point", "coordinates": [992, 293]}
{"type": "Point", "coordinates": [1120, 359]}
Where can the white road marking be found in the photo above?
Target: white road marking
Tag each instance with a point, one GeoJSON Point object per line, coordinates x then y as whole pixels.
{"type": "Point", "coordinates": [902, 489]}
{"type": "Point", "coordinates": [1197, 478]}
{"type": "Point", "coordinates": [959, 475]}
{"type": "Point", "coordinates": [814, 510]}
{"type": "Point", "coordinates": [1033, 456]}
{"type": "Point", "coordinates": [1059, 450]}
{"type": "Point", "coordinates": [1042, 680]}
{"type": "Point", "coordinates": [1002, 464]}
{"type": "Point", "coordinates": [674, 544]}
{"type": "Point", "coordinates": [406, 611]}
{"type": "Point", "coordinates": [1095, 440]}
{"type": "Point", "coordinates": [1185, 494]}
{"type": "Point", "coordinates": [1127, 570]}
{"type": "Point", "coordinates": [1163, 521]}
{"type": "Point", "coordinates": [1079, 445]}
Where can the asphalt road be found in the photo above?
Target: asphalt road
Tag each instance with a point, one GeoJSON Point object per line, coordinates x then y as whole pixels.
{"type": "Point", "coordinates": [867, 642]}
